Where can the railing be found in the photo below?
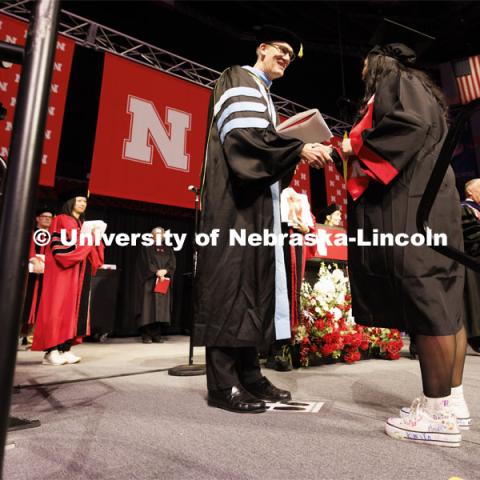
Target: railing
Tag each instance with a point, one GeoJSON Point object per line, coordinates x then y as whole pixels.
{"type": "Point", "coordinates": [90, 34]}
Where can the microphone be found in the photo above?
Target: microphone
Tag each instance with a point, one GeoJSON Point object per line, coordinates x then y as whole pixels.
{"type": "Point", "coordinates": [192, 188]}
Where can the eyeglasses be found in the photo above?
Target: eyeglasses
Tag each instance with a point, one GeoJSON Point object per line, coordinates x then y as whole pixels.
{"type": "Point", "coordinates": [46, 216]}
{"type": "Point", "coordinates": [284, 51]}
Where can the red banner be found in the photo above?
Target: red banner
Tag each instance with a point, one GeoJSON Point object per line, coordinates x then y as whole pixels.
{"type": "Point", "coordinates": [330, 244]}
{"type": "Point", "coordinates": [301, 180]}
{"type": "Point", "coordinates": [15, 31]}
{"type": "Point", "coordinates": [336, 190]}
{"type": "Point", "coordinates": [151, 134]}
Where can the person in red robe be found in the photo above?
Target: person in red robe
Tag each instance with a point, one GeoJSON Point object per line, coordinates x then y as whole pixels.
{"type": "Point", "coordinates": [63, 316]}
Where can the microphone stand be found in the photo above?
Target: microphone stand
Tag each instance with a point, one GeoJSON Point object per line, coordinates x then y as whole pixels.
{"type": "Point", "coordinates": [191, 369]}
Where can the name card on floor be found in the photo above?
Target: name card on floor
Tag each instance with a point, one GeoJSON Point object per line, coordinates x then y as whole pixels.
{"type": "Point", "coordinates": [295, 407]}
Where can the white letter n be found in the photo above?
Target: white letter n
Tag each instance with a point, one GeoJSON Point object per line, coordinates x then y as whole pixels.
{"type": "Point", "coordinates": [146, 126]}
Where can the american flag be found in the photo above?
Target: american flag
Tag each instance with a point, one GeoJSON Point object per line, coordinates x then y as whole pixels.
{"type": "Point", "coordinates": [336, 191]}
{"type": "Point", "coordinates": [467, 74]}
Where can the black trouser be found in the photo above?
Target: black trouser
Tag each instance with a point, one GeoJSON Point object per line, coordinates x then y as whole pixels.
{"type": "Point", "coordinates": [229, 366]}
{"type": "Point", "coordinates": [63, 347]}
{"type": "Point", "coordinates": [151, 330]}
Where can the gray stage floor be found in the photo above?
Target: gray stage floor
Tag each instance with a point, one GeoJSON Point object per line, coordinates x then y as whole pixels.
{"type": "Point", "coordinates": [148, 425]}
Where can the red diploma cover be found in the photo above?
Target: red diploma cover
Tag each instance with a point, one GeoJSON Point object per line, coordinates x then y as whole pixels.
{"type": "Point", "coordinates": [162, 287]}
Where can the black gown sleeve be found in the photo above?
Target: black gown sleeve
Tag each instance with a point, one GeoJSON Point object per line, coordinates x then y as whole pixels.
{"type": "Point", "coordinates": [399, 127]}
{"type": "Point", "coordinates": [171, 263]}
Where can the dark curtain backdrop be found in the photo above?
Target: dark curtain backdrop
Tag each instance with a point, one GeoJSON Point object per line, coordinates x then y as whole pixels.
{"type": "Point", "coordinates": [122, 216]}
{"type": "Point", "coordinates": [127, 221]}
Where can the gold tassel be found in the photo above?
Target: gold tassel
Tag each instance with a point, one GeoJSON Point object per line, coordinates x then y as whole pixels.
{"type": "Point", "coordinates": [300, 52]}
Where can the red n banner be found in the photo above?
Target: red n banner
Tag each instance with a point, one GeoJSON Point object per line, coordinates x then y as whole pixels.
{"type": "Point", "coordinates": [15, 31]}
{"type": "Point", "coordinates": [151, 134]}
{"type": "Point", "coordinates": [336, 190]}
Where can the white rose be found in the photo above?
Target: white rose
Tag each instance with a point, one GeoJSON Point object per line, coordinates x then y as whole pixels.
{"type": "Point", "coordinates": [325, 287]}
{"type": "Point", "coordinates": [338, 275]}
{"type": "Point", "coordinates": [337, 313]}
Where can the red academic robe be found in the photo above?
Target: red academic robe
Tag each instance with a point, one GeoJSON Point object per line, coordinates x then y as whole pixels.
{"type": "Point", "coordinates": [64, 307]}
{"type": "Point", "coordinates": [33, 301]}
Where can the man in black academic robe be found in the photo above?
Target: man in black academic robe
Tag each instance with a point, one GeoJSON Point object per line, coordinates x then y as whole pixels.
{"type": "Point", "coordinates": [239, 290]}
{"type": "Point", "coordinates": [152, 309]}
{"type": "Point", "coordinates": [36, 258]}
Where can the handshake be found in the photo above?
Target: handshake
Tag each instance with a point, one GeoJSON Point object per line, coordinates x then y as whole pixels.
{"type": "Point", "coordinates": [316, 155]}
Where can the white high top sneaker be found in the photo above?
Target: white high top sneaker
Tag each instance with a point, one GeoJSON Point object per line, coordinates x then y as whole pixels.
{"type": "Point", "coordinates": [70, 357]}
{"type": "Point", "coordinates": [430, 421]}
{"type": "Point", "coordinates": [54, 358]}
{"type": "Point", "coordinates": [459, 407]}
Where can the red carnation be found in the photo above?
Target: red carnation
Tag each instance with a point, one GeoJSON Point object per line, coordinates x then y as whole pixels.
{"type": "Point", "coordinates": [364, 345]}
{"type": "Point", "coordinates": [319, 324]}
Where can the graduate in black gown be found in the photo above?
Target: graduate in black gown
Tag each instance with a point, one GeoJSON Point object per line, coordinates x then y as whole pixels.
{"type": "Point", "coordinates": [241, 290]}
{"type": "Point", "coordinates": [391, 152]}
{"type": "Point", "coordinates": [471, 236]}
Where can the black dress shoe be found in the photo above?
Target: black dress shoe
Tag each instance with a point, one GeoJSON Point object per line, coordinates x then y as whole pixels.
{"type": "Point", "coordinates": [268, 392]}
{"type": "Point", "coordinates": [278, 363]}
{"type": "Point", "coordinates": [157, 339]}
{"type": "Point", "coordinates": [146, 339]}
{"type": "Point", "coordinates": [235, 400]}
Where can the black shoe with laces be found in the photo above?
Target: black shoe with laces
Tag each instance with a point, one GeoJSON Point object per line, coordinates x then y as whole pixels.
{"type": "Point", "coordinates": [236, 399]}
{"type": "Point", "coordinates": [278, 363]}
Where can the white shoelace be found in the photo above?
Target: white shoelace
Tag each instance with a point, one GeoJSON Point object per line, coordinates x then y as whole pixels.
{"type": "Point", "coordinates": [415, 408]}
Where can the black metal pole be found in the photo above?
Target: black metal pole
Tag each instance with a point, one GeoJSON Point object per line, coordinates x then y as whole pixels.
{"type": "Point", "coordinates": [195, 254]}
{"type": "Point", "coordinates": [191, 369]}
{"type": "Point", "coordinates": [19, 198]}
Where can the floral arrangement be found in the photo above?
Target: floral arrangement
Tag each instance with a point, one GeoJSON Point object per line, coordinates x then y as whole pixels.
{"type": "Point", "coordinates": [327, 329]}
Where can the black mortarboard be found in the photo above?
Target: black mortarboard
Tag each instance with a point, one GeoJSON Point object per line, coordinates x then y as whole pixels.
{"type": "Point", "coordinates": [44, 208]}
{"type": "Point", "coordinates": [272, 33]}
{"type": "Point", "coordinates": [67, 195]}
{"type": "Point", "coordinates": [322, 215]}
{"type": "Point", "coordinates": [400, 41]}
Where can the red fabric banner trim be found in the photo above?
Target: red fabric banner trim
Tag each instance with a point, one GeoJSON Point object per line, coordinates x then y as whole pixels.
{"type": "Point", "coordinates": [14, 31]}
{"type": "Point", "coordinates": [293, 273]}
